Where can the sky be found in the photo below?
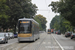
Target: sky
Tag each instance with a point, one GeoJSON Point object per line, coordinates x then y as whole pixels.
{"type": "Point", "coordinates": [44, 10]}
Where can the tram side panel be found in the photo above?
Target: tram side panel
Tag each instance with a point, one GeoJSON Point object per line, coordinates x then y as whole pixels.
{"type": "Point", "coordinates": [35, 31]}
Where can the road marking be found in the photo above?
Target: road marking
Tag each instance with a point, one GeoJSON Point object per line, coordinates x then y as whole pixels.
{"type": "Point", "coordinates": [58, 43]}
{"type": "Point", "coordinates": [52, 47]}
{"type": "Point", "coordinates": [44, 43]}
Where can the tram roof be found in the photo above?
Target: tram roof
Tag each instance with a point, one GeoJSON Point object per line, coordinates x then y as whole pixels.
{"type": "Point", "coordinates": [29, 19]}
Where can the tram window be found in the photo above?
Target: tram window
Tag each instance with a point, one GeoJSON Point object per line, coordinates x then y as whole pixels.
{"type": "Point", "coordinates": [49, 31]}
{"type": "Point", "coordinates": [21, 29]}
{"type": "Point", "coordinates": [25, 28]}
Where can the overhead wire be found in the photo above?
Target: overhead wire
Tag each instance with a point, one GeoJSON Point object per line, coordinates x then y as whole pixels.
{"type": "Point", "coordinates": [48, 12]}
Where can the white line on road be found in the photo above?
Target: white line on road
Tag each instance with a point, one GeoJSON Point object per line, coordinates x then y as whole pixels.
{"type": "Point", "coordinates": [58, 43]}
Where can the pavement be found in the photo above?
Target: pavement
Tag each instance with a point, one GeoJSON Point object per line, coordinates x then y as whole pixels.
{"type": "Point", "coordinates": [46, 42]}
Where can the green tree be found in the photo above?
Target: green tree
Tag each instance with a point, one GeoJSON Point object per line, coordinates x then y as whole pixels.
{"type": "Point", "coordinates": [42, 21]}
{"type": "Point", "coordinates": [12, 10]}
{"type": "Point", "coordinates": [20, 9]}
{"type": "Point", "coordinates": [3, 15]}
{"type": "Point", "coordinates": [60, 23]}
{"type": "Point", "coordinates": [55, 23]}
{"type": "Point", "coordinates": [66, 8]}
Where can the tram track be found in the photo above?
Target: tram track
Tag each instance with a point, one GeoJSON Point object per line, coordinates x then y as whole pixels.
{"type": "Point", "coordinates": [51, 43]}
{"type": "Point", "coordinates": [31, 43]}
{"type": "Point", "coordinates": [40, 43]}
{"type": "Point", "coordinates": [15, 46]}
{"type": "Point", "coordinates": [45, 42]}
{"type": "Point", "coordinates": [23, 46]}
{"type": "Point", "coordinates": [61, 48]}
{"type": "Point", "coordinates": [35, 45]}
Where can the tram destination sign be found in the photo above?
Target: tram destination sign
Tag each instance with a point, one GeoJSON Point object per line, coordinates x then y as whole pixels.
{"type": "Point", "coordinates": [24, 22]}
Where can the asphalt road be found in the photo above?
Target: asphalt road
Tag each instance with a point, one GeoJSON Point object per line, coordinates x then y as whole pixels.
{"type": "Point", "coordinates": [66, 43]}
{"type": "Point", "coordinates": [46, 42]}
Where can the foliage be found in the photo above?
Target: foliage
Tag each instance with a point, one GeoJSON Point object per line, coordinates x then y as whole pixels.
{"type": "Point", "coordinates": [12, 10]}
{"type": "Point", "coordinates": [3, 15]}
{"type": "Point", "coordinates": [66, 8]}
{"type": "Point", "coordinates": [54, 22]}
{"type": "Point", "coordinates": [42, 21]}
{"type": "Point", "coordinates": [60, 23]}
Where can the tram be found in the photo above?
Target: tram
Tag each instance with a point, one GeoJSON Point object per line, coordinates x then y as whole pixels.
{"type": "Point", "coordinates": [28, 30]}
{"type": "Point", "coordinates": [49, 31]}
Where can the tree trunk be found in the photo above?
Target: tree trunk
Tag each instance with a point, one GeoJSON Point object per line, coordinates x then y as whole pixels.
{"type": "Point", "coordinates": [6, 30]}
{"type": "Point", "coordinates": [3, 29]}
{"type": "Point", "coordinates": [15, 29]}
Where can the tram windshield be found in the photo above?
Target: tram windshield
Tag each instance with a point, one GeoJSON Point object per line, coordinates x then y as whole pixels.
{"type": "Point", "coordinates": [25, 28]}
{"type": "Point", "coordinates": [49, 31]}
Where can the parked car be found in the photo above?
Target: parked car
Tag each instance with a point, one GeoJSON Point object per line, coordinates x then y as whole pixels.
{"type": "Point", "coordinates": [8, 36]}
{"type": "Point", "coordinates": [72, 35]}
{"type": "Point", "coordinates": [59, 33]}
{"type": "Point", "coordinates": [68, 34]}
{"type": "Point", "coordinates": [11, 35]}
{"type": "Point", "coordinates": [56, 32]}
{"type": "Point", "coordinates": [3, 38]}
{"type": "Point", "coordinates": [15, 35]}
